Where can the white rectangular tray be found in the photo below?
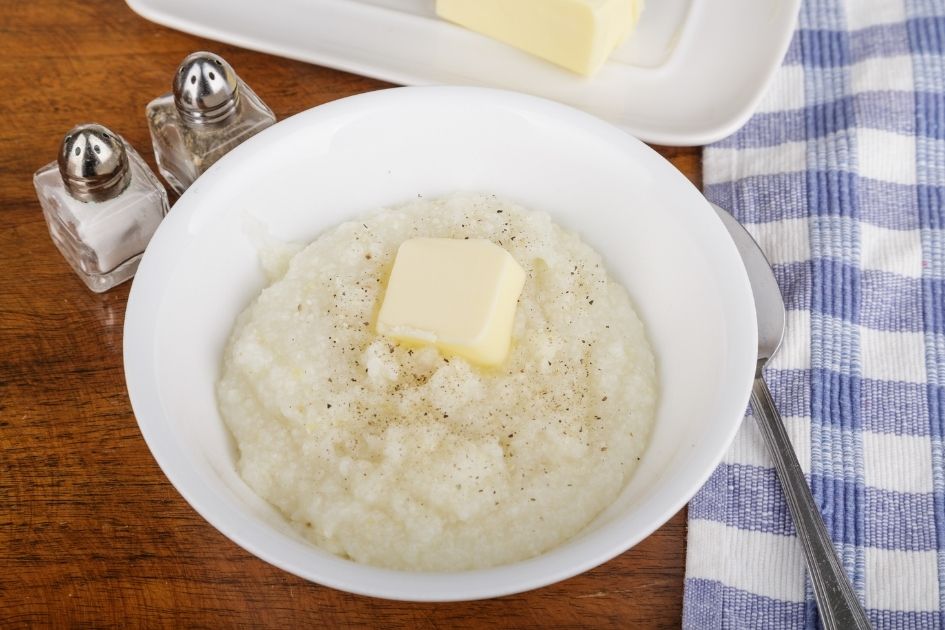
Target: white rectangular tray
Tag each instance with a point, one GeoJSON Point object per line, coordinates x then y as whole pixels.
{"type": "Point", "coordinates": [692, 74]}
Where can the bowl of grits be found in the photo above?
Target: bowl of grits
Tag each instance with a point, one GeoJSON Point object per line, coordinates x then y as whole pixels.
{"type": "Point", "coordinates": [290, 420]}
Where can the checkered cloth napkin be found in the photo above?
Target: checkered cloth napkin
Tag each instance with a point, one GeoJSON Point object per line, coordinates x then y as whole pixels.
{"type": "Point", "coordinates": [840, 176]}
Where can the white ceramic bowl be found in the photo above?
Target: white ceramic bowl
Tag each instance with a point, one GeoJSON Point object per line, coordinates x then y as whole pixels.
{"type": "Point", "coordinates": [658, 235]}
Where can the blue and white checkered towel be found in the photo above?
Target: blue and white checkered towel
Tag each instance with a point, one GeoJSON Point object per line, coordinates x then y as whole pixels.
{"type": "Point", "coordinates": [841, 178]}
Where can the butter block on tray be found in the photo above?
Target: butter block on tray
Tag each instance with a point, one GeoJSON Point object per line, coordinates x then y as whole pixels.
{"type": "Point", "coordinates": [577, 34]}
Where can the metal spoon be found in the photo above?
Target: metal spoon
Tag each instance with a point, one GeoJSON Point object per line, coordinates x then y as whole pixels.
{"type": "Point", "coordinates": [836, 600]}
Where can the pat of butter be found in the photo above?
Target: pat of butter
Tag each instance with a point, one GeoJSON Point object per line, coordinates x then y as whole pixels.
{"type": "Point", "coordinates": [577, 34]}
{"type": "Point", "coordinates": [459, 295]}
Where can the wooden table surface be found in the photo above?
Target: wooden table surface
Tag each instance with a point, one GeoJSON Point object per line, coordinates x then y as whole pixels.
{"type": "Point", "coordinates": [91, 532]}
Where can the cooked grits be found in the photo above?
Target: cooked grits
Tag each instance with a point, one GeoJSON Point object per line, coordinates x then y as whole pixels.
{"type": "Point", "coordinates": [404, 458]}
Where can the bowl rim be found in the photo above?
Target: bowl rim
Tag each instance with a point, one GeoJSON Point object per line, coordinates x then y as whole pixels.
{"type": "Point", "coordinates": [141, 319]}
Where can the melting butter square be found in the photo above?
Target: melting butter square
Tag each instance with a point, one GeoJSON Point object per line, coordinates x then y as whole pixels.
{"type": "Point", "coordinates": [459, 295]}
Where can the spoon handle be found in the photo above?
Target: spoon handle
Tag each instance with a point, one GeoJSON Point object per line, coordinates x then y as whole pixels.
{"type": "Point", "coordinates": [837, 602]}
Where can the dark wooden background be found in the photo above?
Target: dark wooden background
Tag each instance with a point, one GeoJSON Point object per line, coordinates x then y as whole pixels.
{"type": "Point", "coordinates": [91, 532]}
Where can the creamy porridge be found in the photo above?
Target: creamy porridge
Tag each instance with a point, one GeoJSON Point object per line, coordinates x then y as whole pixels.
{"type": "Point", "coordinates": [404, 458]}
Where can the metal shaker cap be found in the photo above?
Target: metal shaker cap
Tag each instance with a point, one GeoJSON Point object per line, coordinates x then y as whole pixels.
{"type": "Point", "coordinates": [206, 90]}
{"type": "Point", "coordinates": [93, 163]}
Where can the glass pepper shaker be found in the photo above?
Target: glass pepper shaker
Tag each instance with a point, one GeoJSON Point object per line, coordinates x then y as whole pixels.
{"type": "Point", "coordinates": [102, 204]}
{"type": "Point", "coordinates": [210, 111]}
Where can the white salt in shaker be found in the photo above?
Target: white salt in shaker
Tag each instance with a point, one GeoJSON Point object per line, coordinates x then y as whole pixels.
{"type": "Point", "coordinates": [210, 111]}
{"type": "Point", "coordinates": [102, 204]}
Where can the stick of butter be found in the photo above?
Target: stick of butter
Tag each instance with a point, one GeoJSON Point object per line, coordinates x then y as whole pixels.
{"type": "Point", "coordinates": [457, 294]}
{"type": "Point", "coordinates": [577, 34]}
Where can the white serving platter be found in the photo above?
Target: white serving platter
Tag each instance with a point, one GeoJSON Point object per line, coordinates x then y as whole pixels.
{"type": "Point", "coordinates": [692, 74]}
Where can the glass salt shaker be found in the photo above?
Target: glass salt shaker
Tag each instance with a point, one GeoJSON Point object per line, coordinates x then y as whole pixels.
{"type": "Point", "coordinates": [210, 111]}
{"type": "Point", "coordinates": [102, 204]}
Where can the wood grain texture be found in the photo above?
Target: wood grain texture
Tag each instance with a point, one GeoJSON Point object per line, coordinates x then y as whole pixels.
{"type": "Point", "coordinates": [91, 532]}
